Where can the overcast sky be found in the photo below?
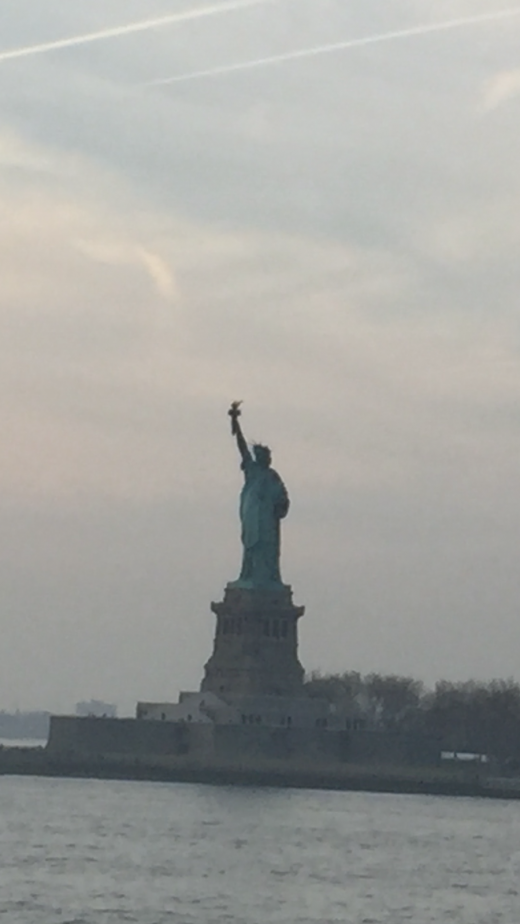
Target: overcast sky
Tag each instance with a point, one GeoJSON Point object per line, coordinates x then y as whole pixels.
{"type": "Point", "coordinates": [333, 239]}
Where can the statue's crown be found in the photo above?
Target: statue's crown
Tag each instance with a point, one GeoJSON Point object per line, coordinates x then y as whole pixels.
{"type": "Point", "coordinates": [260, 450]}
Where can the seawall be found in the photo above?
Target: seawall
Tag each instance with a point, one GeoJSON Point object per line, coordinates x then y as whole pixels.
{"type": "Point", "coordinates": [271, 773]}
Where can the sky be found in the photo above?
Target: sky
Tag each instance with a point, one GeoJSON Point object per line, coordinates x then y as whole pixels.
{"type": "Point", "coordinates": [332, 238]}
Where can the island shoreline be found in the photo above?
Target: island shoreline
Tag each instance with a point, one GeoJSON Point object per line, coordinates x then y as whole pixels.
{"type": "Point", "coordinates": [37, 762]}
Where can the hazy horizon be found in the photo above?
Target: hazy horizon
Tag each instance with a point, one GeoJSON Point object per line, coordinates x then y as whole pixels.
{"type": "Point", "coordinates": [333, 239]}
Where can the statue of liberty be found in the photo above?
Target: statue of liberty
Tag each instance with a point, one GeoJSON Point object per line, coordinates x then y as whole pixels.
{"type": "Point", "coordinates": [263, 503]}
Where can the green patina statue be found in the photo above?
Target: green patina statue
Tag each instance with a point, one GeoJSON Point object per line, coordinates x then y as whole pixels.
{"type": "Point", "coordinates": [263, 503]}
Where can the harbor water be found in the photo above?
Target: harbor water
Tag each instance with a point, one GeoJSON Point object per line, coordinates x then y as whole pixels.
{"type": "Point", "coordinates": [103, 852]}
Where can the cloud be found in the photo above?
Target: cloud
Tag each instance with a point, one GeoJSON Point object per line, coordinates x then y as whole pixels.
{"type": "Point", "coordinates": [131, 254]}
{"type": "Point", "coordinates": [160, 273]}
{"type": "Point", "coordinates": [500, 89]}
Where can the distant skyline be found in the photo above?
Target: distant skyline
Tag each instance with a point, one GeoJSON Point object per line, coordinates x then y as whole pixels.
{"type": "Point", "coordinates": [332, 239]}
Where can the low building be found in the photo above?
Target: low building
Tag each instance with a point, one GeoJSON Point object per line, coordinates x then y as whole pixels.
{"type": "Point", "coordinates": [96, 708]}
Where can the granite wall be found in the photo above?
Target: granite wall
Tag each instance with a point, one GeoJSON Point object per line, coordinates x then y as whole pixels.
{"type": "Point", "coordinates": [237, 743]}
{"type": "Point", "coordinates": [71, 735]}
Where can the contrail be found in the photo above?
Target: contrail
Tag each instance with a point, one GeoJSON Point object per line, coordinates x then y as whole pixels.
{"type": "Point", "coordinates": [130, 28]}
{"type": "Point", "coordinates": [317, 50]}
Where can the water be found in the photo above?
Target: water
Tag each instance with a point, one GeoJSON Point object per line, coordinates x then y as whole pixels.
{"type": "Point", "coordinates": [96, 852]}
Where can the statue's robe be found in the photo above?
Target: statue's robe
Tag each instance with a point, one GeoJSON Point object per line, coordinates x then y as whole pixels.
{"type": "Point", "coordinates": [263, 503]}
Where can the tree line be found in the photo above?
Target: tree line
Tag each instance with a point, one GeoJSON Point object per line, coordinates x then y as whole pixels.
{"type": "Point", "coordinates": [472, 716]}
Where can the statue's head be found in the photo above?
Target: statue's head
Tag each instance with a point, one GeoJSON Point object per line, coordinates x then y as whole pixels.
{"type": "Point", "coordinates": [262, 455]}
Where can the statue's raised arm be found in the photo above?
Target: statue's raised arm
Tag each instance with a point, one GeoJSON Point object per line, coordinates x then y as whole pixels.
{"type": "Point", "coordinates": [236, 431]}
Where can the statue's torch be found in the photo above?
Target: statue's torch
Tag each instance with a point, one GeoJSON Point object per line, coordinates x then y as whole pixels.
{"type": "Point", "coordinates": [234, 412]}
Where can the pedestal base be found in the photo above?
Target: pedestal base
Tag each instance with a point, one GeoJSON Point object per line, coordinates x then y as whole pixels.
{"type": "Point", "coordinates": [256, 642]}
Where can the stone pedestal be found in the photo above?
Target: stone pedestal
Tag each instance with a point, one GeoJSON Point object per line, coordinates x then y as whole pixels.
{"type": "Point", "coordinates": [255, 646]}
